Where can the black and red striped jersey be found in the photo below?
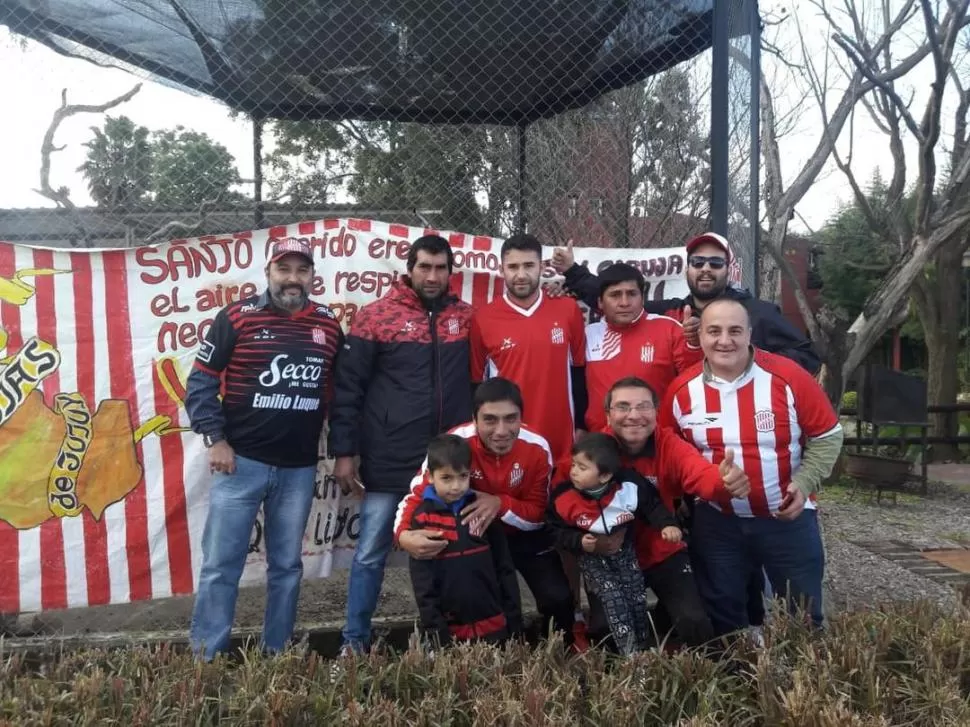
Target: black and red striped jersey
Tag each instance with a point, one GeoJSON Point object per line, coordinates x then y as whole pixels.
{"type": "Point", "coordinates": [275, 372]}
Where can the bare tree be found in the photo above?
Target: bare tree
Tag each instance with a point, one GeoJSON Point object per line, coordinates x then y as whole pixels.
{"type": "Point", "coordinates": [939, 220]}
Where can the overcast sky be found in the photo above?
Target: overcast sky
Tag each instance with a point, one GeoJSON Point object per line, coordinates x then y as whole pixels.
{"type": "Point", "coordinates": [33, 77]}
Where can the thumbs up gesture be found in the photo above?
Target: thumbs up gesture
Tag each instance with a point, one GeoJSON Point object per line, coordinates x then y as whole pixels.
{"type": "Point", "coordinates": [692, 327]}
{"type": "Point", "coordinates": [563, 258]}
{"type": "Point", "coordinates": [735, 481]}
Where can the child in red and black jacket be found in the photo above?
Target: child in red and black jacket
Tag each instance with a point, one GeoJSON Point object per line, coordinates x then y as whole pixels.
{"type": "Point", "coordinates": [598, 500]}
{"type": "Point", "coordinates": [469, 590]}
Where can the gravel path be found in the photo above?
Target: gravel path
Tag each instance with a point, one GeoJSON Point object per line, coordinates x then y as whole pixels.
{"type": "Point", "coordinates": [855, 577]}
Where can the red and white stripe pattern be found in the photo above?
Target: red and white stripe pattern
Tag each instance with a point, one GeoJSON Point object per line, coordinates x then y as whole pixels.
{"type": "Point", "coordinates": [765, 416]}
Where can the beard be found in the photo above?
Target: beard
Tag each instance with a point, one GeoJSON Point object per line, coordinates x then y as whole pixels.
{"type": "Point", "coordinates": [516, 291]}
{"type": "Point", "coordinates": [713, 292]}
{"type": "Point", "coordinates": [289, 297]}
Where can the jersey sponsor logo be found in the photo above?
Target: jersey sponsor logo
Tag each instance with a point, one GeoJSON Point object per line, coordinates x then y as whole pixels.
{"type": "Point", "coordinates": [324, 311]}
{"type": "Point", "coordinates": [764, 420]}
{"type": "Point", "coordinates": [478, 475]}
{"type": "Point", "coordinates": [516, 475]}
{"type": "Point", "coordinates": [454, 327]}
{"type": "Point", "coordinates": [624, 517]}
{"type": "Point", "coordinates": [293, 373]}
{"type": "Point", "coordinates": [507, 344]}
{"type": "Point", "coordinates": [646, 353]}
{"type": "Point", "coordinates": [585, 521]}
{"type": "Point", "coordinates": [558, 335]}
{"type": "Point", "coordinates": [205, 351]}
{"type": "Point", "coordinates": [248, 308]}
{"type": "Point", "coordinates": [264, 335]}
{"type": "Point", "coordinates": [703, 422]}
{"type": "Point", "coordinates": [409, 327]}
{"type": "Point", "coordinates": [319, 337]}
{"type": "Point", "coordinates": [285, 402]}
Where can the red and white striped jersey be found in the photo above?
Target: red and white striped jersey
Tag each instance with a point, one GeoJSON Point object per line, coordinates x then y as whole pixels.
{"type": "Point", "coordinates": [534, 347]}
{"type": "Point", "coordinates": [520, 478]}
{"type": "Point", "coordinates": [766, 416]}
{"type": "Point", "coordinates": [652, 347]}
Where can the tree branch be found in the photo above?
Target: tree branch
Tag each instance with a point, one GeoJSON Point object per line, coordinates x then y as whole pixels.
{"type": "Point", "coordinates": [62, 195]}
{"type": "Point", "coordinates": [182, 227]}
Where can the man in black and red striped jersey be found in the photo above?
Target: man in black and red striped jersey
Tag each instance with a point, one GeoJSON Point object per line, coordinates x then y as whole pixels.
{"type": "Point", "coordinates": [272, 357]}
{"type": "Point", "coordinates": [786, 437]}
{"type": "Point", "coordinates": [511, 466]}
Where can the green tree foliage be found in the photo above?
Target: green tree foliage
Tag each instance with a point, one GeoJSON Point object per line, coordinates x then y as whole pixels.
{"type": "Point", "coordinates": [127, 165]}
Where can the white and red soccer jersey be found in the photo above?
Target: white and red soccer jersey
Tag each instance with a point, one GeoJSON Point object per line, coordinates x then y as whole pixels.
{"type": "Point", "coordinates": [765, 416]}
{"type": "Point", "coordinates": [652, 347]}
{"type": "Point", "coordinates": [520, 478]}
{"type": "Point", "coordinates": [534, 347]}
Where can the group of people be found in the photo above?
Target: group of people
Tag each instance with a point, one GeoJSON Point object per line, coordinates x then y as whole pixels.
{"type": "Point", "coordinates": [675, 444]}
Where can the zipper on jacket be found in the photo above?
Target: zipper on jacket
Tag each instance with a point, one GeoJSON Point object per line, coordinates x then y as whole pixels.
{"type": "Point", "coordinates": [435, 374]}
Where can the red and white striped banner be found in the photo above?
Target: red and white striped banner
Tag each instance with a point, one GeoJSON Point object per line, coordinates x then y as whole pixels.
{"type": "Point", "coordinates": [103, 492]}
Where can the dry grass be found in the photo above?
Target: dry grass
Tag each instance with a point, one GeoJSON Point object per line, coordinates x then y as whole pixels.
{"type": "Point", "coordinates": [906, 665]}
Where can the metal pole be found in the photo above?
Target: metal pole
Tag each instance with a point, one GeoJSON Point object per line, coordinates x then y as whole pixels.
{"type": "Point", "coordinates": [719, 117]}
{"type": "Point", "coordinates": [258, 209]}
{"type": "Point", "coordinates": [755, 163]}
{"type": "Point", "coordinates": [521, 212]}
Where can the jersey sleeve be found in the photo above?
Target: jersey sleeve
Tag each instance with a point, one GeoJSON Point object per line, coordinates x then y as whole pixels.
{"type": "Point", "coordinates": [478, 354]}
{"type": "Point", "coordinates": [526, 508]}
{"type": "Point", "coordinates": [577, 337]}
{"type": "Point", "coordinates": [816, 417]}
{"type": "Point", "coordinates": [409, 503]}
{"type": "Point", "coordinates": [217, 347]}
{"type": "Point", "coordinates": [685, 470]}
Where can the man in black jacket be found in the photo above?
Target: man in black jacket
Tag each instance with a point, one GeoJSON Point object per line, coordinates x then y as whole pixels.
{"type": "Point", "coordinates": [402, 378]}
{"type": "Point", "coordinates": [708, 260]}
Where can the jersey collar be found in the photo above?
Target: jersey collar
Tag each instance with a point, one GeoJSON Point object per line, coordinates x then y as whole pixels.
{"type": "Point", "coordinates": [527, 312]}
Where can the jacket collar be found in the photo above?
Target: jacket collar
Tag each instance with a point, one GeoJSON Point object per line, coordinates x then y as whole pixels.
{"type": "Point", "coordinates": [455, 507]}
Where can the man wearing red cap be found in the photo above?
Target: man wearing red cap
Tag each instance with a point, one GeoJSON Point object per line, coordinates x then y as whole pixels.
{"type": "Point", "coordinates": [272, 357]}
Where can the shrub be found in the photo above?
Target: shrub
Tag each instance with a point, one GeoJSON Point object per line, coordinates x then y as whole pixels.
{"type": "Point", "coordinates": [900, 665]}
{"type": "Point", "coordinates": [850, 400]}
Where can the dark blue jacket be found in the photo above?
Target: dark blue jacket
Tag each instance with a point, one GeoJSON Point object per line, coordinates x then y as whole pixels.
{"type": "Point", "coordinates": [402, 378]}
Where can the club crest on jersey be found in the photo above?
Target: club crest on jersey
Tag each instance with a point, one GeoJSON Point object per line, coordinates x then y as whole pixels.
{"type": "Point", "coordinates": [584, 521]}
{"type": "Point", "coordinates": [558, 335]}
{"type": "Point", "coordinates": [454, 327]}
{"type": "Point", "coordinates": [646, 353]}
{"type": "Point", "coordinates": [319, 337]}
{"type": "Point", "coordinates": [515, 476]}
{"type": "Point", "coordinates": [764, 420]}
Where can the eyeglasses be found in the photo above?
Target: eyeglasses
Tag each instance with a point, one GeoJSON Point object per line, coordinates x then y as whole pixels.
{"type": "Point", "coordinates": [698, 261]}
{"type": "Point", "coordinates": [642, 408]}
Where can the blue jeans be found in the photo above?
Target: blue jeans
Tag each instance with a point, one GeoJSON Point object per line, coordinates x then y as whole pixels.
{"type": "Point", "coordinates": [286, 494]}
{"type": "Point", "coordinates": [729, 550]}
{"type": "Point", "coordinates": [367, 570]}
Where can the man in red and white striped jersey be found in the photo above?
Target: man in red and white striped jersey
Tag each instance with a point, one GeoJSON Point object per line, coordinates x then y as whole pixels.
{"type": "Point", "coordinates": [785, 436]}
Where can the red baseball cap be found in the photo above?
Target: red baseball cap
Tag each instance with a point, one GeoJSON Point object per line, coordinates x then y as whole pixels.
{"type": "Point", "coordinates": [290, 246]}
{"type": "Point", "coordinates": [712, 238]}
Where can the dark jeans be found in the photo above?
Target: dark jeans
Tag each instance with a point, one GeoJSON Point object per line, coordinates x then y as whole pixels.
{"type": "Point", "coordinates": [541, 567]}
{"type": "Point", "coordinates": [679, 616]}
{"type": "Point", "coordinates": [730, 550]}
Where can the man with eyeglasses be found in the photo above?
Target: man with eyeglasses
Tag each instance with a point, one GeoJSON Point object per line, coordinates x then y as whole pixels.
{"type": "Point", "coordinates": [676, 468]}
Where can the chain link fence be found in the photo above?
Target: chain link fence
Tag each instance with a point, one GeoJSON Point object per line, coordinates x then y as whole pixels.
{"type": "Point", "coordinates": [600, 123]}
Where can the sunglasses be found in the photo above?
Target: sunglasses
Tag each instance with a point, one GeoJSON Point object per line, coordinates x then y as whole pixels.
{"type": "Point", "coordinates": [698, 261]}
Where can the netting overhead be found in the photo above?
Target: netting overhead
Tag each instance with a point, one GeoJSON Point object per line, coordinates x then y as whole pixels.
{"type": "Point", "coordinates": [444, 61]}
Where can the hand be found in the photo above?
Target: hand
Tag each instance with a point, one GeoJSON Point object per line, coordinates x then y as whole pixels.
{"type": "Point", "coordinates": [692, 327]}
{"type": "Point", "coordinates": [563, 258]}
{"type": "Point", "coordinates": [479, 515]}
{"type": "Point", "coordinates": [736, 482]}
{"type": "Point", "coordinates": [671, 534]}
{"type": "Point", "coordinates": [554, 289]}
{"type": "Point", "coordinates": [345, 472]}
{"type": "Point", "coordinates": [222, 458]}
{"type": "Point", "coordinates": [422, 544]}
{"type": "Point", "coordinates": [610, 544]}
{"type": "Point", "coordinates": [792, 505]}
{"type": "Point", "coordinates": [589, 543]}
